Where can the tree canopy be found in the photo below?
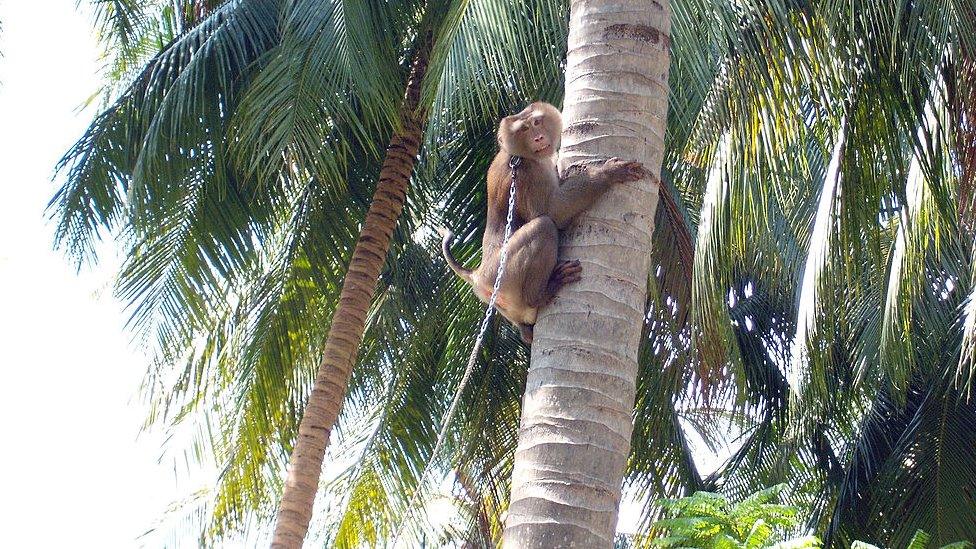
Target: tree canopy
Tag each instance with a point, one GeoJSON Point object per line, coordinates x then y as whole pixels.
{"type": "Point", "coordinates": [812, 296]}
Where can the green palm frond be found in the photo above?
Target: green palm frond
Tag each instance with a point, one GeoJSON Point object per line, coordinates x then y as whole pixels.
{"type": "Point", "coordinates": [911, 468]}
{"type": "Point", "coordinates": [332, 68]}
{"type": "Point", "coordinates": [165, 128]}
{"type": "Point", "coordinates": [422, 366]}
{"type": "Point", "coordinates": [492, 55]}
{"type": "Point", "coordinates": [820, 161]}
{"type": "Point", "coordinates": [250, 363]}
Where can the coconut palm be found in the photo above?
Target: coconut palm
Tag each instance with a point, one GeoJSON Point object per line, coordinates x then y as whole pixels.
{"type": "Point", "coordinates": [851, 132]}
{"type": "Point", "coordinates": [224, 160]}
{"type": "Point", "coordinates": [849, 288]}
{"type": "Point", "coordinates": [730, 137]}
{"type": "Point", "coordinates": [238, 303]}
{"type": "Point", "coordinates": [239, 271]}
{"type": "Point", "coordinates": [574, 437]}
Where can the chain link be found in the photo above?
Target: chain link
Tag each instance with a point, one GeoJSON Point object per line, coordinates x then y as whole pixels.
{"type": "Point", "coordinates": [513, 163]}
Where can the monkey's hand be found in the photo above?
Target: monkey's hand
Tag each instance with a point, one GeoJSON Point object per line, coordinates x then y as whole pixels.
{"type": "Point", "coordinates": [621, 171]}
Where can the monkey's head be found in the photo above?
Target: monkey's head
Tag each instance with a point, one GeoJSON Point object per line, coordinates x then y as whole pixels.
{"type": "Point", "coordinates": [533, 133]}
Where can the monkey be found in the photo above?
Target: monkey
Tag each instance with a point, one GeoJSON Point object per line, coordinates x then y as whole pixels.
{"type": "Point", "coordinates": [545, 203]}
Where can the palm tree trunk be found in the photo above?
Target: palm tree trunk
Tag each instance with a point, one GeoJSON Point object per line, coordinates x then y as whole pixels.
{"type": "Point", "coordinates": [574, 437]}
{"type": "Point", "coordinates": [349, 320]}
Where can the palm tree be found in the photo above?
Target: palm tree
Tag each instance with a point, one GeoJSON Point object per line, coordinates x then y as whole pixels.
{"type": "Point", "coordinates": [349, 319]}
{"type": "Point", "coordinates": [729, 137]}
{"type": "Point", "coordinates": [242, 324]}
{"type": "Point", "coordinates": [574, 437]}
{"type": "Point", "coordinates": [848, 285]}
{"type": "Point", "coordinates": [843, 125]}
{"type": "Point", "coordinates": [240, 129]}
{"type": "Point", "coordinates": [435, 24]}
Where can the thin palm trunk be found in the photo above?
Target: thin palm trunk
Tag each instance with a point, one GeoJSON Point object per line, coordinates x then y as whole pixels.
{"type": "Point", "coordinates": [349, 320]}
{"type": "Point", "coordinates": [574, 437]}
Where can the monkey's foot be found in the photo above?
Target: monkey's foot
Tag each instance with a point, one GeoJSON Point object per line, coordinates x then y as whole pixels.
{"type": "Point", "coordinates": [526, 331]}
{"type": "Point", "coordinates": [565, 273]}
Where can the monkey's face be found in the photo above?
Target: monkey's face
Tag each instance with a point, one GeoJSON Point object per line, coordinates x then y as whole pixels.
{"type": "Point", "coordinates": [532, 133]}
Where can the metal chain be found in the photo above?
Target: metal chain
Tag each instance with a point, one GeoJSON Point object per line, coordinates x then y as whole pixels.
{"type": "Point", "coordinates": [503, 256]}
{"type": "Point", "coordinates": [513, 163]}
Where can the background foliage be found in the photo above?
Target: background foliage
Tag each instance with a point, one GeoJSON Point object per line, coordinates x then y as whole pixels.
{"type": "Point", "coordinates": [811, 307]}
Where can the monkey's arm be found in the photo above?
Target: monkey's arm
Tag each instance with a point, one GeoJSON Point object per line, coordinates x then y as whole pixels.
{"type": "Point", "coordinates": [581, 185]}
{"type": "Point", "coordinates": [577, 189]}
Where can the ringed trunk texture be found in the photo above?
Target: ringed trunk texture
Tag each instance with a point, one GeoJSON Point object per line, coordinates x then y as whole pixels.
{"type": "Point", "coordinates": [577, 412]}
{"type": "Point", "coordinates": [349, 319]}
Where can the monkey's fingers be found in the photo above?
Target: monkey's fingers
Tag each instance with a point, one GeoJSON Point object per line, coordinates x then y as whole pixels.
{"type": "Point", "coordinates": [569, 279]}
{"type": "Point", "coordinates": [566, 273]}
{"type": "Point", "coordinates": [635, 170]}
{"type": "Point", "coordinates": [557, 284]}
{"type": "Point", "coordinates": [570, 271]}
{"type": "Point", "coordinates": [567, 267]}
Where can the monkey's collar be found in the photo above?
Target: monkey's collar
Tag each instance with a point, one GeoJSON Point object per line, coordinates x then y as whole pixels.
{"type": "Point", "coordinates": [514, 161]}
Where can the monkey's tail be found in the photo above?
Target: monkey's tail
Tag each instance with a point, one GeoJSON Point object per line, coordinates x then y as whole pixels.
{"type": "Point", "coordinates": [448, 236]}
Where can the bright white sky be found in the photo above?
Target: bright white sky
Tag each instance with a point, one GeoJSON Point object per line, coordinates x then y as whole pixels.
{"type": "Point", "coordinates": [74, 471]}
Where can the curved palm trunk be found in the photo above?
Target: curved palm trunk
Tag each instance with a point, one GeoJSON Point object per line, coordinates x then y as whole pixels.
{"type": "Point", "coordinates": [574, 437]}
{"type": "Point", "coordinates": [349, 319]}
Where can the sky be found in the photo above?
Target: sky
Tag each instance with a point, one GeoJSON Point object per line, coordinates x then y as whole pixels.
{"type": "Point", "coordinates": [74, 470]}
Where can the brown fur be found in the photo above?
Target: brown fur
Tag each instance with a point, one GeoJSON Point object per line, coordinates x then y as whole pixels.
{"type": "Point", "coordinates": [544, 203]}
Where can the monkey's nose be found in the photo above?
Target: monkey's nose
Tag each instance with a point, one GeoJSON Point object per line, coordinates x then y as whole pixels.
{"type": "Point", "coordinates": [538, 138]}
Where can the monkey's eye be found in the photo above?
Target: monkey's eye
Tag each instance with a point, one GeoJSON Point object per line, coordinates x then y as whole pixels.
{"type": "Point", "coordinates": [536, 121]}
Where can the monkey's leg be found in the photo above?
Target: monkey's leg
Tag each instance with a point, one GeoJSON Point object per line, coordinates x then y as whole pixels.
{"type": "Point", "coordinates": [536, 275]}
